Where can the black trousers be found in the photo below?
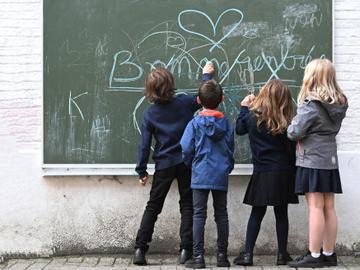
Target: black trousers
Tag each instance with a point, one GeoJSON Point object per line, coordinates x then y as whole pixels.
{"type": "Point", "coordinates": [160, 187]}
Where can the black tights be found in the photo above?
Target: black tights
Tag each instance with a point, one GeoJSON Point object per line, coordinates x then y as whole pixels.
{"type": "Point", "coordinates": [254, 224]}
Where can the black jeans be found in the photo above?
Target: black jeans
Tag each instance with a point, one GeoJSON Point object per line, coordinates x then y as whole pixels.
{"type": "Point", "coordinates": [200, 199]}
{"type": "Point", "coordinates": [160, 187]}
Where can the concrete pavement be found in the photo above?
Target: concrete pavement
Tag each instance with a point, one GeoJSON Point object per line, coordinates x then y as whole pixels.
{"type": "Point", "coordinates": [156, 262]}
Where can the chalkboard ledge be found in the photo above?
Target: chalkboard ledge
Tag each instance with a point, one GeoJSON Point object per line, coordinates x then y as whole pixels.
{"type": "Point", "coordinates": [114, 169]}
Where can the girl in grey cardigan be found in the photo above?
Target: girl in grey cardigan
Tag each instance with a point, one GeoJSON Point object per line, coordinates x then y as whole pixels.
{"type": "Point", "coordinates": [321, 109]}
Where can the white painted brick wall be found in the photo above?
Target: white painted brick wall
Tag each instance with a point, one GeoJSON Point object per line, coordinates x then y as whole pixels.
{"type": "Point", "coordinates": [21, 72]}
{"type": "Point", "coordinates": [347, 62]}
{"type": "Point", "coordinates": [32, 214]}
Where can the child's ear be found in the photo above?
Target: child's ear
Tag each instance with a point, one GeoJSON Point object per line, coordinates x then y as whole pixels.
{"type": "Point", "coordinates": [198, 100]}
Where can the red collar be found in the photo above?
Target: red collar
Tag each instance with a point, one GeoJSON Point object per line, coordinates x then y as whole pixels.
{"type": "Point", "coordinates": [214, 113]}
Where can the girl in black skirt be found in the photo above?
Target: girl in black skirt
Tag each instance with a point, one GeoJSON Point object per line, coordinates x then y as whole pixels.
{"type": "Point", "coordinates": [265, 118]}
{"type": "Point", "coordinates": [322, 107]}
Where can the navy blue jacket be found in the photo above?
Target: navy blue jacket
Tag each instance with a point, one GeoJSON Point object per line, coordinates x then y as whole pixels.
{"type": "Point", "coordinates": [269, 152]}
{"type": "Point", "coordinates": [208, 145]}
{"type": "Point", "coordinates": [166, 122]}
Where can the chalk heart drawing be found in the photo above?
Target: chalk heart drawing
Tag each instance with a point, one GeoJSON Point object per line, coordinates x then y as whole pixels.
{"type": "Point", "coordinates": [193, 12]}
{"type": "Point", "coordinates": [175, 42]}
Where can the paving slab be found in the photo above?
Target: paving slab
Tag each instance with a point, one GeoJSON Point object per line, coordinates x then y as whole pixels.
{"type": "Point", "coordinates": [106, 261]}
{"type": "Point", "coordinates": [156, 262]}
{"type": "Point", "coordinates": [90, 261]}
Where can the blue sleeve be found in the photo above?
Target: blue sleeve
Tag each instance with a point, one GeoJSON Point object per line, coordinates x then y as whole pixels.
{"type": "Point", "coordinates": [292, 153]}
{"type": "Point", "coordinates": [231, 145]}
{"type": "Point", "coordinates": [144, 148]}
{"type": "Point", "coordinates": [206, 76]}
{"type": "Point", "coordinates": [188, 144]}
{"type": "Point", "coordinates": [194, 105]}
{"type": "Point", "coordinates": [241, 122]}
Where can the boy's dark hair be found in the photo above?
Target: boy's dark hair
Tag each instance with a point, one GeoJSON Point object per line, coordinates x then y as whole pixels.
{"type": "Point", "coordinates": [159, 86]}
{"type": "Point", "coordinates": [210, 94]}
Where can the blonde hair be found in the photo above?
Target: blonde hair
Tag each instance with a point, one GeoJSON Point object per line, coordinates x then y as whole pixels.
{"type": "Point", "coordinates": [273, 106]}
{"type": "Point", "coordinates": [320, 83]}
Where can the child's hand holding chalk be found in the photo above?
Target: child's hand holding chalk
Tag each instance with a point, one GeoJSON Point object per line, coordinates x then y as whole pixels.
{"type": "Point", "coordinates": [247, 100]}
{"type": "Point", "coordinates": [208, 68]}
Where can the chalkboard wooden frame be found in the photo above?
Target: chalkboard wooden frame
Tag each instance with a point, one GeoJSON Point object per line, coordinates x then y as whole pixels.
{"type": "Point", "coordinates": [124, 169]}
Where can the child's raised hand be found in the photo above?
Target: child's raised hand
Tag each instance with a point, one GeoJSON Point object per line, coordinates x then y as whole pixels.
{"type": "Point", "coordinates": [144, 180]}
{"type": "Point", "coordinates": [208, 68]}
{"type": "Point", "coordinates": [247, 100]}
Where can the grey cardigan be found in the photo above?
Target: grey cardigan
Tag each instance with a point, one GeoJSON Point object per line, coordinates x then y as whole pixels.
{"type": "Point", "coordinates": [315, 127]}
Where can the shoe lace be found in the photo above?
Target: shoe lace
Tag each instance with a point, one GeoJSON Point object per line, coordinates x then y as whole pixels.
{"type": "Point", "coordinates": [301, 258]}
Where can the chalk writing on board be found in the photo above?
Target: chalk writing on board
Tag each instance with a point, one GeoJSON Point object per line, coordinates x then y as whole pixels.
{"type": "Point", "coordinates": [126, 68]}
{"type": "Point", "coordinates": [96, 60]}
{"type": "Point", "coordinates": [184, 62]}
{"type": "Point", "coordinates": [212, 24]}
{"type": "Point", "coordinates": [302, 15]}
{"type": "Point", "coordinates": [72, 103]}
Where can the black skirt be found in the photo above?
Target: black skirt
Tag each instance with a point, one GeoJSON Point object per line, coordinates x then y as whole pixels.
{"type": "Point", "coordinates": [271, 188]}
{"type": "Point", "coordinates": [317, 180]}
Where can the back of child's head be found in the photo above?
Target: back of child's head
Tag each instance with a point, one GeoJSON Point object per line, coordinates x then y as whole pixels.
{"type": "Point", "coordinates": [159, 86]}
{"type": "Point", "coordinates": [320, 83]}
{"type": "Point", "coordinates": [273, 106]}
{"type": "Point", "coordinates": [210, 94]}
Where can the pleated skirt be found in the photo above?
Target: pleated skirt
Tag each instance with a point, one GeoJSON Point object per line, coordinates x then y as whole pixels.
{"type": "Point", "coordinates": [317, 180]}
{"type": "Point", "coordinates": [271, 188]}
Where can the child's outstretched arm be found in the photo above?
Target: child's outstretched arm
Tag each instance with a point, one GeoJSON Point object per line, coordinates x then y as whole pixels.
{"type": "Point", "coordinates": [207, 74]}
{"type": "Point", "coordinates": [188, 144]}
{"type": "Point", "coordinates": [208, 71]}
{"type": "Point", "coordinates": [304, 119]}
{"type": "Point", "coordinates": [241, 124]}
{"type": "Point", "coordinates": [144, 151]}
{"type": "Point", "coordinates": [231, 145]}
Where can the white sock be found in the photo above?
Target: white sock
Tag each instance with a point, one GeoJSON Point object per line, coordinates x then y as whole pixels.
{"type": "Point", "coordinates": [315, 255]}
{"type": "Point", "coordinates": [328, 253]}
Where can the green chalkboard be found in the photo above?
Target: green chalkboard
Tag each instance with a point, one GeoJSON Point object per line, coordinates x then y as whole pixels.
{"type": "Point", "coordinates": [98, 52]}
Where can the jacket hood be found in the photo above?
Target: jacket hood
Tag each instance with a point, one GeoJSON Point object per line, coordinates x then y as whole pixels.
{"type": "Point", "coordinates": [336, 112]}
{"type": "Point", "coordinates": [213, 124]}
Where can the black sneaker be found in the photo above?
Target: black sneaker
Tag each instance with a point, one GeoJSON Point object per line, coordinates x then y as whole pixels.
{"type": "Point", "coordinates": [307, 261]}
{"type": "Point", "coordinates": [222, 260]}
{"type": "Point", "coordinates": [139, 257]}
{"type": "Point", "coordinates": [283, 258]}
{"type": "Point", "coordinates": [330, 260]}
{"type": "Point", "coordinates": [185, 255]}
{"type": "Point", "coordinates": [197, 262]}
{"type": "Point", "coordinates": [244, 258]}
